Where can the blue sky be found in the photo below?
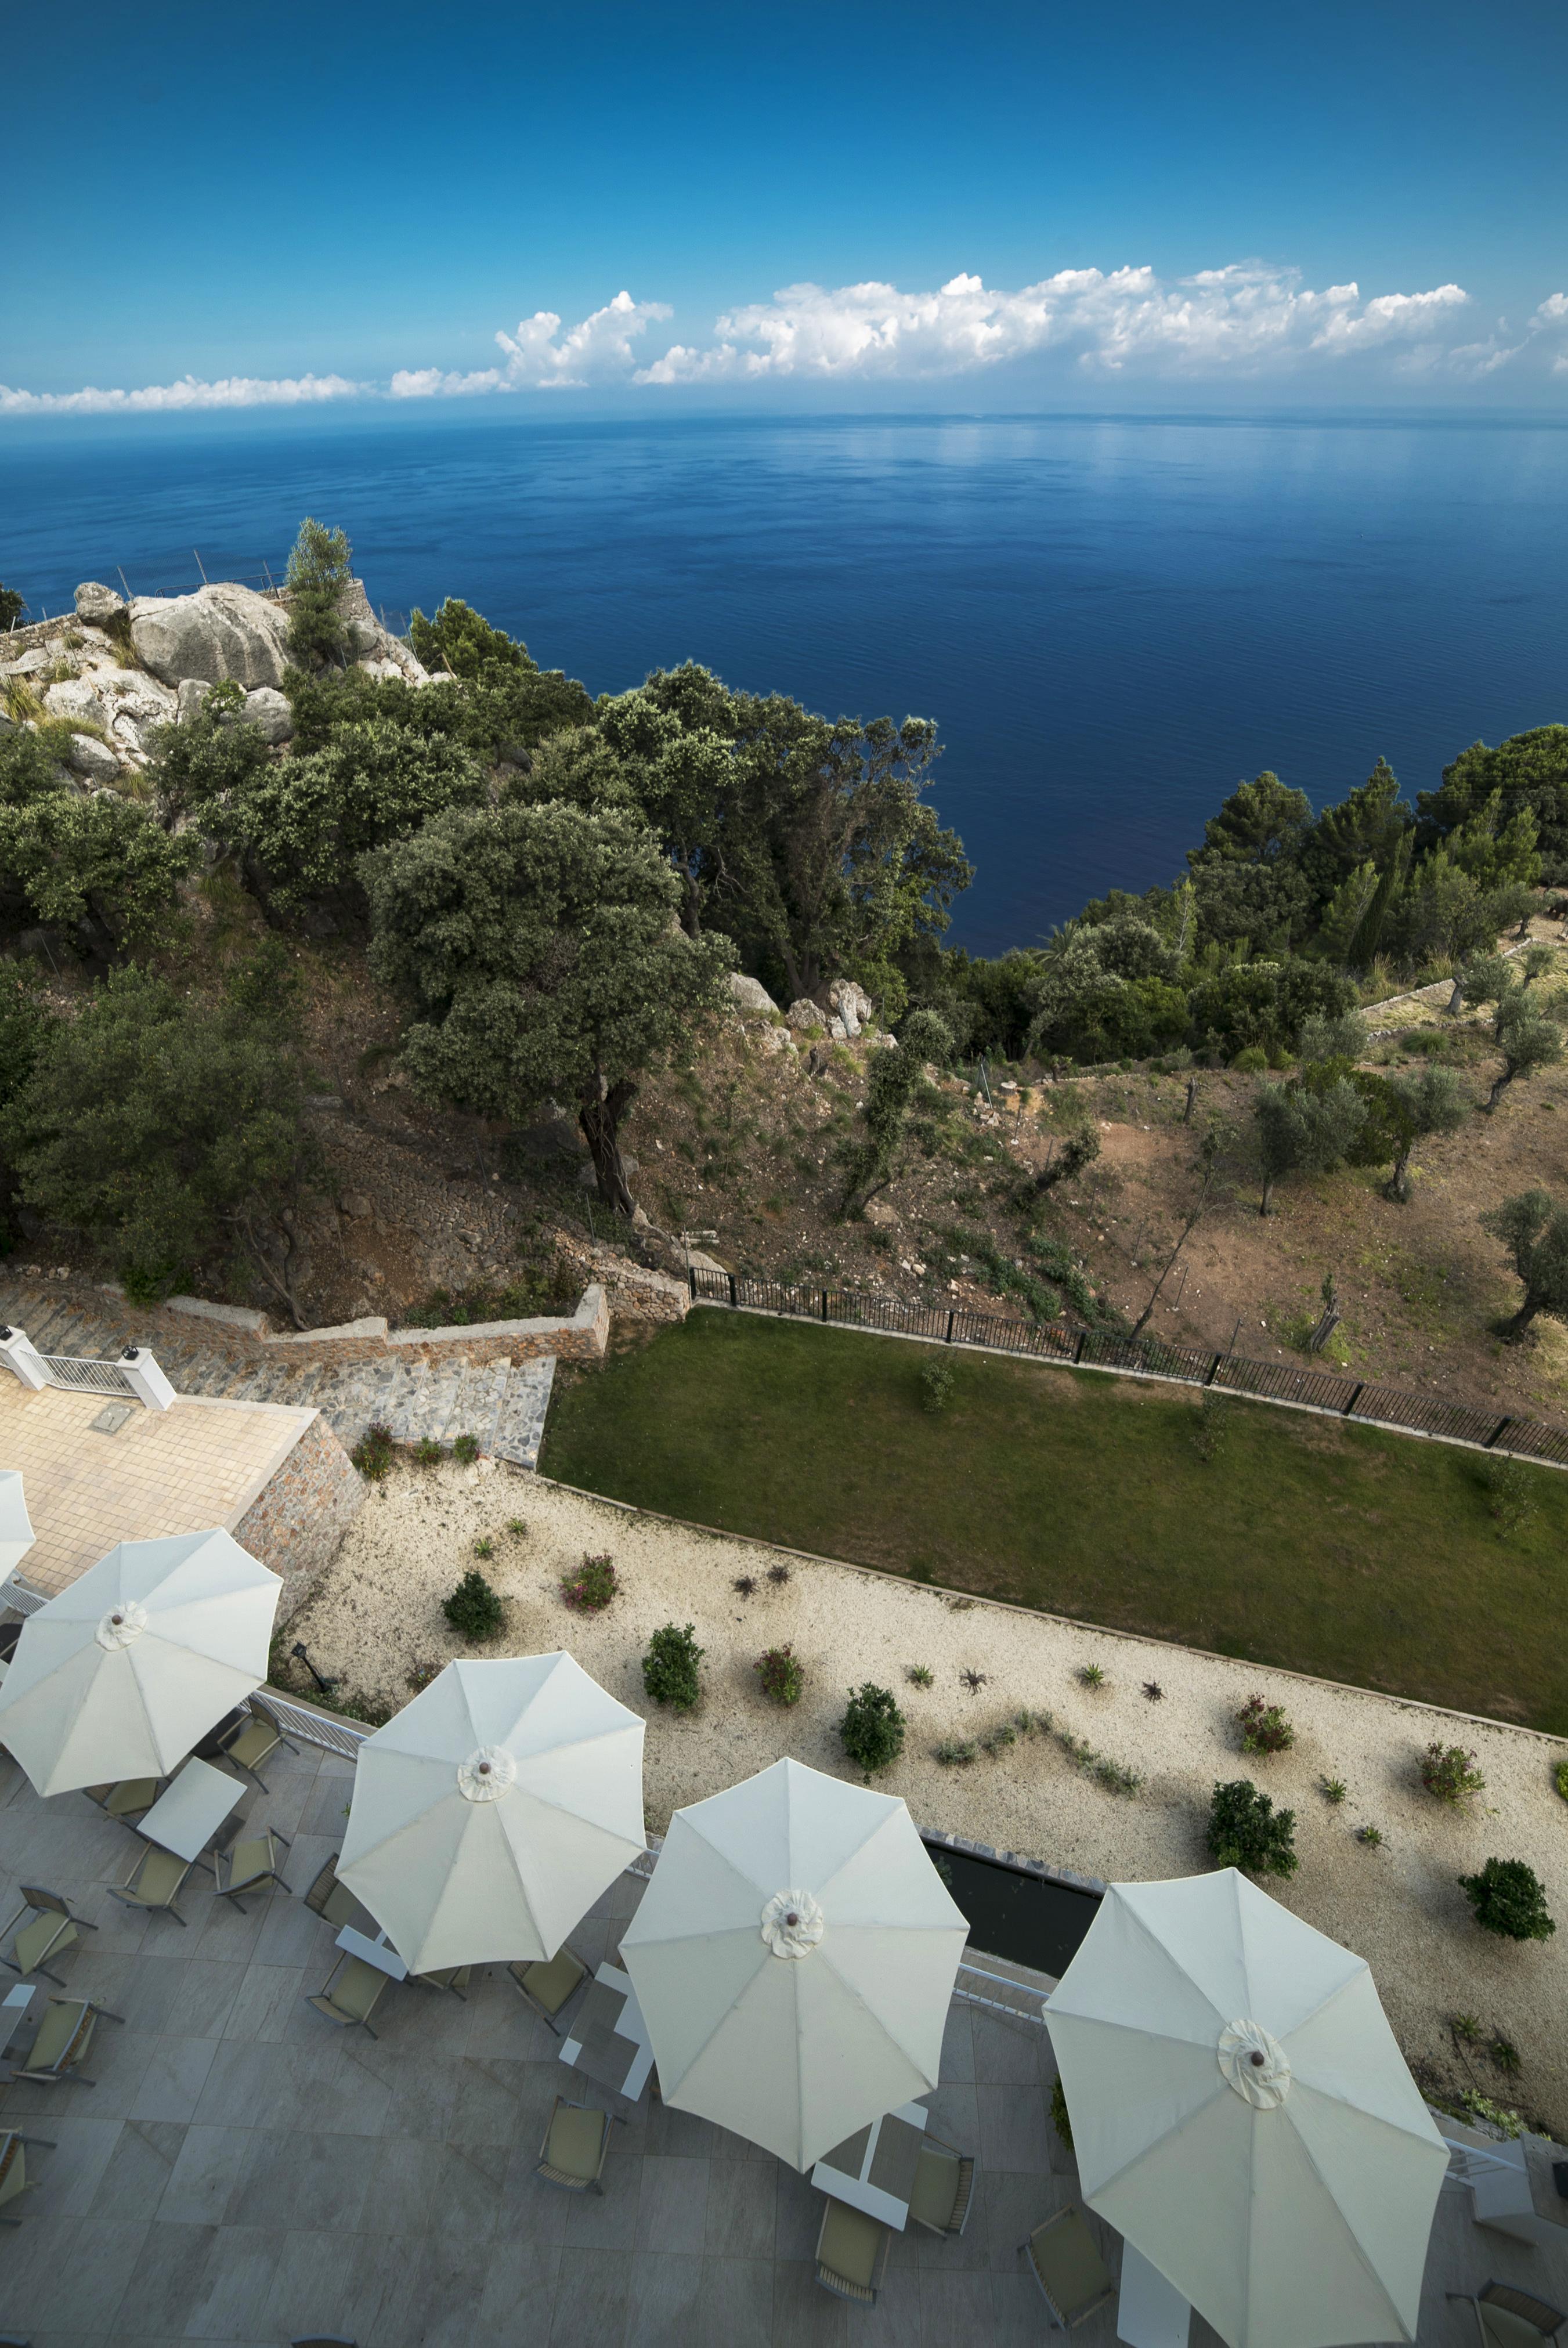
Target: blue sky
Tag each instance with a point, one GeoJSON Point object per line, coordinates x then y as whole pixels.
{"type": "Point", "coordinates": [1051, 205]}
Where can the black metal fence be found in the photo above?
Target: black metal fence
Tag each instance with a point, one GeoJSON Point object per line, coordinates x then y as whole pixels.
{"type": "Point", "coordinates": [1149, 1357]}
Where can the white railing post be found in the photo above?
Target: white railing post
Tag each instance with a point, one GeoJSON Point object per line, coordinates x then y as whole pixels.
{"type": "Point", "coordinates": [145, 1379]}
{"type": "Point", "coordinates": [21, 1357]}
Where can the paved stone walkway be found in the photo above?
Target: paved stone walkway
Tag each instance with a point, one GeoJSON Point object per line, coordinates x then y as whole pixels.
{"type": "Point", "coordinates": [501, 1406]}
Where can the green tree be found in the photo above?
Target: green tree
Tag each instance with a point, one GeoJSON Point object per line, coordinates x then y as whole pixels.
{"type": "Point", "coordinates": [670, 1667]}
{"type": "Point", "coordinates": [213, 754]}
{"type": "Point", "coordinates": [1107, 992]}
{"type": "Point", "coordinates": [169, 1126]}
{"type": "Point", "coordinates": [512, 704]}
{"type": "Point", "coordinates": [871, 1730]}
{"type": "Point", "coordinates": [1528, 1039]}
{"type": "Point", "coordinates": [319, 571]}
{"type": "Point", "coordinates": [1529, 771]}
{"type": "Point", "coordinates": [1534, 1230]}
{"type": "Point", "coordinates": [1508, 1898]}
{"type": "Point", "coordinates": [1266, 1005]}
{"type": "Point", "coordinates": [1366, 826]}
{"type": "Point", "coordinates": [1303, 1131]}
{"type": "Point", "coordinates": [891, 1084]}
{"type": "Point", "coordinates": [1245, 1830]}
{"type": "Point", "coordinates": [1420, 1103]}
{"type": "Point", "coordinates": [1248, 873]}
{"type": "Point", "coordinates": [94, 867]}
{"type": "Point", "coordinates": [539, 950]}
{"type": "Point", "coordinates": [301, 824]}
{"type": "Point", "coordinates": [12, 606]}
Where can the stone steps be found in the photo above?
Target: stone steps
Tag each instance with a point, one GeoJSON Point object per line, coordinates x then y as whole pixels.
{"type": "Point", "coordinates": [502, 1408]}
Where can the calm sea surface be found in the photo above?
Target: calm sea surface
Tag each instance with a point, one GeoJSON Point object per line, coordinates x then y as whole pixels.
{"type": "Point", "coordinates": [1113, 621]}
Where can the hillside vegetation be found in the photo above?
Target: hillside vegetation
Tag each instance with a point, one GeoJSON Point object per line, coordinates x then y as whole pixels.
{"type": "Point", "coordinates": [347, 973]}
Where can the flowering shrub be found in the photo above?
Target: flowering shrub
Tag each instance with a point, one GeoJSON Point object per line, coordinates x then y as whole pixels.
{"type": "Point", "coordinates": [1264, 1728]}
{"type": "Point", "coordinates": [589, 1591]}
{"type": "Point", "coordinates": [780, 1675]}
{"type": "Point", "coordinates": [1449, 1771]}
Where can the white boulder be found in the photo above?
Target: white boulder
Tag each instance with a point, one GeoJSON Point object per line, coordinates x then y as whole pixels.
{"type": "Point", "coordinates": [804, 1014]}
{"type": "Point", "coordinates": [92, 759]}
{"type": "Point", "coordinates": [96, 603]}
{"type": "Point", "coordinates": [375, 648]}
{"type": "Point", "coordinates": [852, 1003]}
{"type": "Point", "coordinates": [74, 700]}
{"type": "Point", "coordinates": [194, 692]}
{"type": "Point", "coordinates": [271, 711]}
{"type": "Point", "coordinates": [750, 994]}
{"type": "Point", "coordinates": [223, 632]}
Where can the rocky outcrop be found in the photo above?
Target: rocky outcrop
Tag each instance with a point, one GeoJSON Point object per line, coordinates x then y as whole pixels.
{"type": "Point", "coordinates": [271, 711]}
{"type": "Point", "coordinates": [806, 1015]}
{"type": "Point", "coordinates": [76, 700]}
{"type": "Point", "coordinates": [375, 648]}
{"type": "Point", "coordinates": [219, 633]}
{"type": "Point", "coordinates": [850, 1004]}
{"type": "Point", "coordinates": [749, 996]}
{"type": "Point", "coordinates": [92, 759]}
{"type": "Point", "coordinates": [97, 604]}
{"type": "Point", "coordinates": [134, 705]}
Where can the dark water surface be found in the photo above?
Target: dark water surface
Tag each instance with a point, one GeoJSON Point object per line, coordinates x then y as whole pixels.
{"type": "Point", "coordinates": [1112, 620]}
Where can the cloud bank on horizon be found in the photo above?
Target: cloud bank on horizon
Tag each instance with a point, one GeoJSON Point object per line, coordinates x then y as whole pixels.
{"type": "Point", "coordinates": [1247, 319]}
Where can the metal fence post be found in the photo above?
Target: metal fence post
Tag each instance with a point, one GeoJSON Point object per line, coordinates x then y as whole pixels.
{"type": "Point", "coordinates": [1355, 1397]}
{"type": "Point", "coordinates": [948, 1339]}
{"type": "Point", "coordinates": [1078, 1349]}
{"type": "Point", "coordinates": [732, 1288]}
{"type": "Point", "coordinates": [1497, 1432]}
{"type": "Point", "coordinates": [824, 1304]}
{"type": "Point", "coordinates": [691, 1281]}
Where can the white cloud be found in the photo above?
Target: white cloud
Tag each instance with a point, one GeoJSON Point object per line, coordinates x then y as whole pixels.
{"type": "Point", "coordinates": [539, 358]}
{"type": "Point", "coordinates": [231, 391]}
{"type": "Point", "coordinates": [1245, 317]}
{"type": "Point", "coordinates": [433, 382]}
{"type": "Point", "coordinates": [1551, 316]}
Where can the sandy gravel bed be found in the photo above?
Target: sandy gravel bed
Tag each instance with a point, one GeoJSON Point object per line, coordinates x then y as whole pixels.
{"type": "Point", "coordinates": [377, 1613]}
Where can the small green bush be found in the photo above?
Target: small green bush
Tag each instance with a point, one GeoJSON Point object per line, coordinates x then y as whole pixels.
{"type": "Point", "coordinates": [670, 1667]}
{"type": "Point", "coordinates": [1373, 1837]}
{"type": "Point", "coordinates": [467, 1448]}
{"type": "Point", "coordinates": [1511, 1495]}
{"type": "Point", "coordinates": [936, 1384]}
{"type": "Point", "coordinates": [1559, 1778]}
{"type": "Point", "coordinates": [781, 1676]}
{"type": "Point", "coordinates": [373, 1454]}
{"type": "Point", "coordinates": [1092, 1674]}
{"type": "Point", "coordinates": [484, 1546]}
{"type": "Point", "coordinates": [1333, 1790]}
{"type": "Point", "coordinates": [1449, 1771]}
{"type": "Point", "coordinates": [1253, 1061]}
{"type": "Point", "coordinates": [428, 1452]}
{"type": "Point", "coordinates": [921, 1675]}
{"type": "Point", "coordinates": [1245, 1830]}
{"type": "Point", "coordinates": [1482, 2107]}
{"type": "Point", "coordinates": [1059, 2114]}
{"type": "Point", "coordinates": [1508, 1898]}
{"type": "Point", "coordinates": [589, 1591]}
{"type": "Point", "coordinates": [474, 1610]}
{"type": "Point", "coordinates": [954, 1752]}
{"type": "Point", "coordinates": [871, 1730]}
{"type": "Point", "coordinates": [1264, 1728]}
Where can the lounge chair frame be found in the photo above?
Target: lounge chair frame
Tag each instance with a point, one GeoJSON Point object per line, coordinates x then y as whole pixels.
{"type": "Point", "coordinates": [41, 1903]}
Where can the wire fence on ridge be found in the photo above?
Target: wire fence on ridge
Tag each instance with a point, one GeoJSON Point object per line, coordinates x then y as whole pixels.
{"type": "Point", "coordinates": [1362, 1400]}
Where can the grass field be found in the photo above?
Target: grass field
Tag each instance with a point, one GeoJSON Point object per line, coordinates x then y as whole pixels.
{"type": "Point", "coordinates": [1364, 1557]}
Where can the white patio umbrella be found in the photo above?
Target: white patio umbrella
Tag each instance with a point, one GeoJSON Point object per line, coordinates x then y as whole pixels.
{"type": "Point", "coordinates": [16, 1534]}
{"type": "Point", "coordinates": [120, 1675]}
{"type": "Point", "coordinates": [794, 1958]}
{"type": "Point", "coordinates": [1242, 2114]}
{"type": "Point", "coordinates": [490, 1814]}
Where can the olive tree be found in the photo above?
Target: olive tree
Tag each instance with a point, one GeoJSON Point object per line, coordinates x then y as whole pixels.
{"type": "Point", "coordinates": [1303, 1131]}
{"type": "Point", "coordinates": [1433, 1101]}
{"type": "Point", "coordinates": [1534, 1230]}
{"type": "Point", "coordinates": [539, 951]}
{"type": "Point", "coordinates": [1528, 1039]}
{"type": "Point", "coordinates": [890, 1087]}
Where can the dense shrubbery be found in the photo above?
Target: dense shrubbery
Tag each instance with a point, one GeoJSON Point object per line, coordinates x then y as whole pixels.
{"type": "Point", "coordinates": [1245, 1830]}
{"type": "Point", "coordinates": [95, 868]}
{"type": "Point", "coordinates": [871, 1730]}
{"type": "Point", "coordinates": [475, 1609]}
{"type": "Point", "coordinates": [1508, 1898]}
{"type": "Point", "coordinates": [670, 1672]}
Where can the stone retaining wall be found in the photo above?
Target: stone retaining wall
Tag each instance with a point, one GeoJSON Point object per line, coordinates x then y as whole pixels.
{"type": "Point", "coordinates": [296, 1521]}
{"type": "Point", "coordinates": [242, 1336]}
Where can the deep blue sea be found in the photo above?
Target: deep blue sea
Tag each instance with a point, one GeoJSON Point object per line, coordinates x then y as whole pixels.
{"type": "Point", "coordinates": [1113, 619]}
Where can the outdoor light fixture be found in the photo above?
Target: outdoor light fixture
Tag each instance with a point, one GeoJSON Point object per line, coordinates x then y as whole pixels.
{"type": "Point", "coordinates": [298, 1652]}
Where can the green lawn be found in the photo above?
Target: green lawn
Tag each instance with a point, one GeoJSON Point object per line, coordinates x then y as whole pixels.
{"type": "Point", "coordinates": [1329, 1548]}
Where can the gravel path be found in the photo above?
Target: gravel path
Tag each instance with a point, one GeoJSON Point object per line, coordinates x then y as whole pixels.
{"type": "Point", "coordinates": [377, 1613]}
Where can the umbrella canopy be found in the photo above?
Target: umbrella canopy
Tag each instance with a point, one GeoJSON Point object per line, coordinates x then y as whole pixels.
{"type": "Point", "coordinates": [491, 1813]}
{"type": "Point", "coordinates": [16, 1534]}
{"type": "Point", "coordinates": [794, 1958]}
{"type": "Point", "coordinates": [118, 1675]}
{"type": "Point", "coordinates": [1243, 2116]}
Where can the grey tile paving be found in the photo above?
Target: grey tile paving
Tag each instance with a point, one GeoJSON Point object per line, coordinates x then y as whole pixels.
{"type": "Point", "coordinates": [244, 2173]}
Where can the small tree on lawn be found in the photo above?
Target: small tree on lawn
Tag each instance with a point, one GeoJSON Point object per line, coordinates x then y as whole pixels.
{"type": "Point", "coordinates": [871, 1729]}
{"type": "Point", "coordinates": [1508, 1899]}
{"type": "Point", "coordinates": [474, 1610]}
{"type": "Point", "coordinates": [1534, 1230]}
{"type": "Point", "coordinates": [1245, 1830]}
{"type": "Point", "coordinates": [539, 948]}
{"type": "Point", "coordinates": [1526, 1037]}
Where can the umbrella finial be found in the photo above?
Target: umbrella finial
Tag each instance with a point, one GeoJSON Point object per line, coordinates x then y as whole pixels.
{"type": "Point", "coordinates": [793, 1924]}
{"type": "Point", "coordinates": [121, 1624]}
{"type": "Point", "coordinates": [489, 1772]}
{"type": "Point", "coordinates": [1255, 2063]}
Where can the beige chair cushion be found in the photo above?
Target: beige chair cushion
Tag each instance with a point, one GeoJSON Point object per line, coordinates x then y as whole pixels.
{"type": "Point", "coordinates": [248, 1860]}
{"type": "Point", "coordinates": [63, 2025]}
{"type": "Point", "coordinates": [1073, 2275]}
{"type": "Point", "coordinates": [1502, 2329]}
{"type": "Point", "coordinates": [357, 1988]}
{"type": "Point", "coordinates": [13, 2168]}
{"type": "Point", "coordinates": [254, 1742]}
{"type": "Point", "coordinates": [35, 1941]}
{"type": "Point", "coordinates": [158, 1877]}
{"type": "Point", "coordinates": [576, 2142]}
{"type": "Point", "coordinates": [936, 2187]}
{"type": "Point", "coordinates": [550, 1986]}
{"type": "Point", "coordinates": [850, 2243]}
{"type": "Point", "coordinates": [131, 1794]}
